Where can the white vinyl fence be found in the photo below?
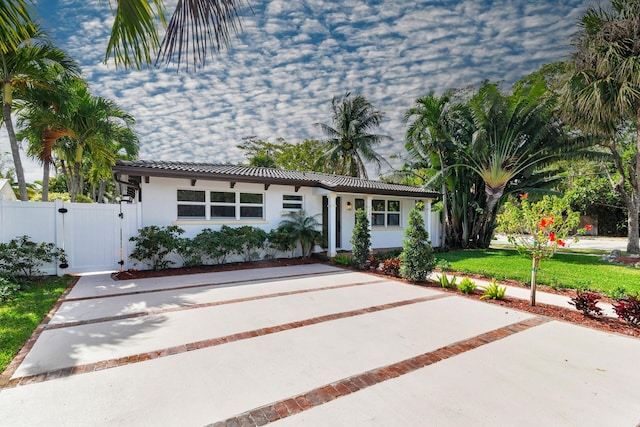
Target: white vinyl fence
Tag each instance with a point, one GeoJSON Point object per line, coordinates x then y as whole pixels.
{"type": "Point", "coordinates": [94, 236]}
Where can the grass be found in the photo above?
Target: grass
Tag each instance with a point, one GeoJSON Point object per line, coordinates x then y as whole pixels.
{"type": "Point", "coordinates": [572, 271]}
{"type": "Point", "coordinates": [20, 316]}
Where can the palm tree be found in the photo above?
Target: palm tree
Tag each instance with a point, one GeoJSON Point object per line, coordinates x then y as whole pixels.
{"type": "Point", "coordinates": [302, 228]}
{"type": "Point", "coordinates": [350, 139]}
{"type": "Point", "coordinates": [601, 94]}
{"type": "Point", "coordinates": [86, 127]}
{"type": "Point", "coordinates": [428, 133]}
{"type": "Point", "coordinates": [26, 65]}
{"type": "Point", "coordinates": [15, 21]}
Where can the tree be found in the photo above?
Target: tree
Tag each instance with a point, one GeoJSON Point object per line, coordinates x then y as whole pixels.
{"type": "Point", "coordinates": [15, 23]}
{"type": "Point", "coordinates": [303, 229]}
{"type": "Point", "coordinates": [307, 155]}
{"type": "Point", "coordinates": [361, 240]}
{"type": "Point", "coordinates": [351, 141]}
{"type": "Point", "coordinates": [418, 260]}
{"type": "Point", "coordinates": [26, 65]}
{"type": "Point", "coordinates": [538, 229]}
{"type": "Point", "coordinates": [601, 94]}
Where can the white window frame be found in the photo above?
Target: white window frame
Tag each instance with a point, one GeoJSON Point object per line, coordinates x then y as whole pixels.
{"type": "Point", "coordinates": [299, 202]}
{"type": "Point", "coordinates": [386, 213]}
{"type": "Point", "coordinates": [208, 204]}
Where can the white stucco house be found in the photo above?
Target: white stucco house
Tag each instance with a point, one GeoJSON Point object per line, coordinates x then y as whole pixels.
{"type": "Point", "coordinates": [195, 196]}
{"type": "Point", "coordinates": [6, 192]}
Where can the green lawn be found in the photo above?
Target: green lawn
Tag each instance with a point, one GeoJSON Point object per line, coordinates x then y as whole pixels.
{"type": "Point", "coordinates": [20, 316]}
{"type": "Point", "coordinates": [572, 271]}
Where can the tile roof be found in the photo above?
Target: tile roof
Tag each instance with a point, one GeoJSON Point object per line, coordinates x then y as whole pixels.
{"type": "Point", "coordinates": [209, 171]}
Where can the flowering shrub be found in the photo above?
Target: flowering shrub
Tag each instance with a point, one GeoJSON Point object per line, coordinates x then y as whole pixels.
{"type": "Point", "coordinates": [628, 309]}
{"type": "Point", "coordinates": [586, 302]}
{"type": "Point", "coordinates": [391, 267]}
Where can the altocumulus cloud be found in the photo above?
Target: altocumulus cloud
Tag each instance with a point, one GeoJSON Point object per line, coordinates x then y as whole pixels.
{"type": "Point", "coordinates": [280, 75]}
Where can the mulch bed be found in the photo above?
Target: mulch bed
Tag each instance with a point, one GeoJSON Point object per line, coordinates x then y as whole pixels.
{"type": "Point", "coordinates": [605, 324]}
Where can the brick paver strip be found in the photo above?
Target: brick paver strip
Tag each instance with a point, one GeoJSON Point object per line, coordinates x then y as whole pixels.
{"type": "Point", "coordinates": [136, 358]}
{"type": "Point", "coordinates": [316, 397]}
{"type": "Point", "coordinates": [203, 305]}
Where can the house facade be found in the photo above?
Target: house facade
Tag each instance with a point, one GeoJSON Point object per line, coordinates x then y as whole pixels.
{"type": "Point", "coordinates": [195, 196]}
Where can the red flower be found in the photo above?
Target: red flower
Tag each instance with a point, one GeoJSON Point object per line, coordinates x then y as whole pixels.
{"type": "Point", "coordinates": [544, 223]}
{"type": "Point", "coordinates": [588, 227]}
{"type": "Point", "coordinates": [524, 196]}
{"type": "Point", "coordinates": [552, 237]}
{"type": "Point", "coordinates": [561, 242]}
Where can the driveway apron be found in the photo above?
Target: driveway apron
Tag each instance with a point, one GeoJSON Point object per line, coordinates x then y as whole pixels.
{"type": "Point", "coordinates": [311, 345]}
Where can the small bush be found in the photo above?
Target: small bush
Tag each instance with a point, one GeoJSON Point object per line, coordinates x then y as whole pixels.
{"type": "Point", "coordinates": [467, 286]}
{"type": "Point", "coordinates": [417, 256]}
{"type": "Point", "coordinates": [279, 240]}
{"type": "Point", "coordinates": [22, 257]}
{"type": "Point", "coordinates": [361, 240]}
{"type": "Point", "coordinates": [251, 239]}
{"type": "Point", "coordinates": [385, 255]}
{"type": "Point", "coordinates": [8, 288]}
{"type": "Point", "coordinates": [445, 282]}
{"type": "Point", "coordinates": [189, 251]}
{"type": "Point", "coordinates": [628, 309]}
{"type": "Point", "coordinates": [342, 259]}
{"type": "Point", "coordinates": [586, 302]}
{"type": "Point", "coordinates": [443, 264]}
{"type": "Point", "coordinates": [154, 244]}
{"type": "Point", "coordinates": [391, 267]}
{"type": "Point", "coordinates": [494, 291]}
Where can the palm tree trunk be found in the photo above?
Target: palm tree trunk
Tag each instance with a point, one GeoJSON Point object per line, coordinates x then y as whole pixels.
{"type": "Point", "coordinates": [45, 181]}
{"type": "Point", "coordinates": [444, 202]}
{"type": "Point", "coordinates": [483, 231]}
{"type": "Point", "coordinates": [13, 141]}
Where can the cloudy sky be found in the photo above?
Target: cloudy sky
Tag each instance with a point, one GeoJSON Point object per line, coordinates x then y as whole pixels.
{"type": "Point", "coordinates": [279, 76]}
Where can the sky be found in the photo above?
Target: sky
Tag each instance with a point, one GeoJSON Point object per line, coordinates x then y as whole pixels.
{"type": "Point", "coordinates": [279, 76]}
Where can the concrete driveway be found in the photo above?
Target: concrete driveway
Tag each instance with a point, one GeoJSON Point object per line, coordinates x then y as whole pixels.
{"type": "Point", "coordinates": [312, 345]}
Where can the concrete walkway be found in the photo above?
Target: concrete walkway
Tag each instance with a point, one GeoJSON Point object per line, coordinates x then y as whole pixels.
{"type": "Point", "coordinates": [312, 345]}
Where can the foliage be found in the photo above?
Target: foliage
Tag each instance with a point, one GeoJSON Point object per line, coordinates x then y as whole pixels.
{"type": "Point", "coordinates": [22, 257]}
{"type": "Point", "coordinates": [351, 140]}
{"type": "Point", "coordinates": [494, 291]}
{"type": "Point", "coordinates": [417, 256]}
{"type": "Point", "coordinates": [303, 229]}
{"type": "Point", "coordinates": [251, 238]}
{"type": "Point", "coordinates": [391, 267]}
{"type": "Point", "coordinates": [628, 309]}
{"type": "Point", "coordinates": [304, 156]}
{"type": "Point", "coordinates": [216, 246]}
{"type": "Point", "coordinates": [154, 244]}
{"type": "Point", "coordinates": [566, 271]}
{"type": "Point", "coordinates": [8, 288]}
{"type": "Point", "coordinates": [538, 229]}
{"type": "Point", "coordinates": [445, 282]}
{"type": "Point", "coordinates": [466, 286]}
{"type": "Point", "coordinates": [586, 302]}
{"type": "Point", "coordinates": [343, 259]}
{"type": "Point", "coordinates": [65, 197]}
{"type": "Point", "coordinates": [188, 250]}
{"type": "Point", "coordinates": [443, 265]}
{"type": "Point", "coordinates": [279, 240]}
{"type": "Point", "coordinates": [361, 240]}
{"type": "Point", "coordinates": [20, 315]}
{"type": "Point", "coordinates": [381, 256]}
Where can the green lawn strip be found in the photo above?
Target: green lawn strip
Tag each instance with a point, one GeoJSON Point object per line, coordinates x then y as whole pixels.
{"type": "Point", "coordinates": [20, 316]}
{"type": "Point", "coordinates": [571, 271]}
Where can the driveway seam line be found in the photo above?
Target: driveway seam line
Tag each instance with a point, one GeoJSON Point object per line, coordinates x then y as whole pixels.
{"type": "Point", "coordinates": [212, 342]}
{"type": "Point", "coordinates": [326, 393]}
{"type": "Point", "coordinates": [54, 326]}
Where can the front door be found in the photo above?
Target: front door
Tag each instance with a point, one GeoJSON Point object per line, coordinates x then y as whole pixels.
{"type": "Point", "coordinates": [325, 221]}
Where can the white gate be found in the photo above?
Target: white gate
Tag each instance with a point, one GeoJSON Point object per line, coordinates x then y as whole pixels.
{"type": "Point", "coordinates": [94, 236]}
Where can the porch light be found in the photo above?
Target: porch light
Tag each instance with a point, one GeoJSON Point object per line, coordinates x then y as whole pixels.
{"type": "Point", "coordinates": [349, 206]}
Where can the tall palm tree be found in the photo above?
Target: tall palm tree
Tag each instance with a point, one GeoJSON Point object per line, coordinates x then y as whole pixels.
{"type": "Point", "coordinates": [15, 21]}
{"type": "Point", "coordinates": [601, 94]}
{"type": "Point", "coordinates": [26, 65]}
{"type": "Point", "coordinates": [428, 133]}
{"type": "Point", "coordinates": [351, 141]}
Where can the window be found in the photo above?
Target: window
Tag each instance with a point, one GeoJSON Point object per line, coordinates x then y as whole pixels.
{"type": "Point", "coordinates": [290, 202]}
{"type": "Point", "coordinates": [360, 204]}
{"type": "Point", "coordinates": [385, 213]}
{"type": "Point", "coordinates": [200, 204]}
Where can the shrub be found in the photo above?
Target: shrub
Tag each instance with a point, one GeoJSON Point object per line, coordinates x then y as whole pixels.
{"type": "Point", "coordinates": [494, 291]}
{"type": "Point", "coordinates": [628, 309]}
{"type": "Point", "coordinates": [361, 240]}
{"type": "Point", "coordinates": [154, 244]}
{"type": "Point", "coordinates": [382, 256]}
{"type": "Point", "coordinates": [279, 240]}
{"type": "Point", "coordinates": [22, 257]}
{"type": "Point", "coordinates": [467, 286]}
{"type": "Point", "coordinates": [391, 267]}
{"type": "Point", "coordinates": [8, 288]}
{"type": "Point", "coordinates": [586, 302]}
{"type": "Point", "coordinates": [303, 230]}
{"type": "Point", "coordinates": [342, 259]}
{"type": "Point", "coordinates": [417, 256]}
{"type": "Point", "coordinates": [250, 239]}
{"type": "Point", "coordinates": [445, 282]}
{"type": "Point", "coordinates": [216, 246]}
{"type": "Point", "coordinates": [618, 293]}
{"type": "Point", "coordinates": [443, 264]}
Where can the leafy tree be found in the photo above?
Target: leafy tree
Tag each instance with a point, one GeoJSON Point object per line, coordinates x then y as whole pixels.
{"type": "Point", "coordinates": [361, 240]}
{"type": "Point", "coordinates": [302, 229]}
{"type": "Point", "coordinates": [418, 260]}
{"type": "Point", "coordinates": [538, 229]}
{"type": "Point", "coordinates": [601, 94]}
{"type": "Point", "coordinates": [307, 155]}
{"type": "Point", "coordinates": [351, 139]}
{"type": "Point", "coordinates": [26, 64]}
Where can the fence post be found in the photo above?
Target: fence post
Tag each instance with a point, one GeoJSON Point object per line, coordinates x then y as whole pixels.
{"type": "Point", "coordinates": [59, 213]}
